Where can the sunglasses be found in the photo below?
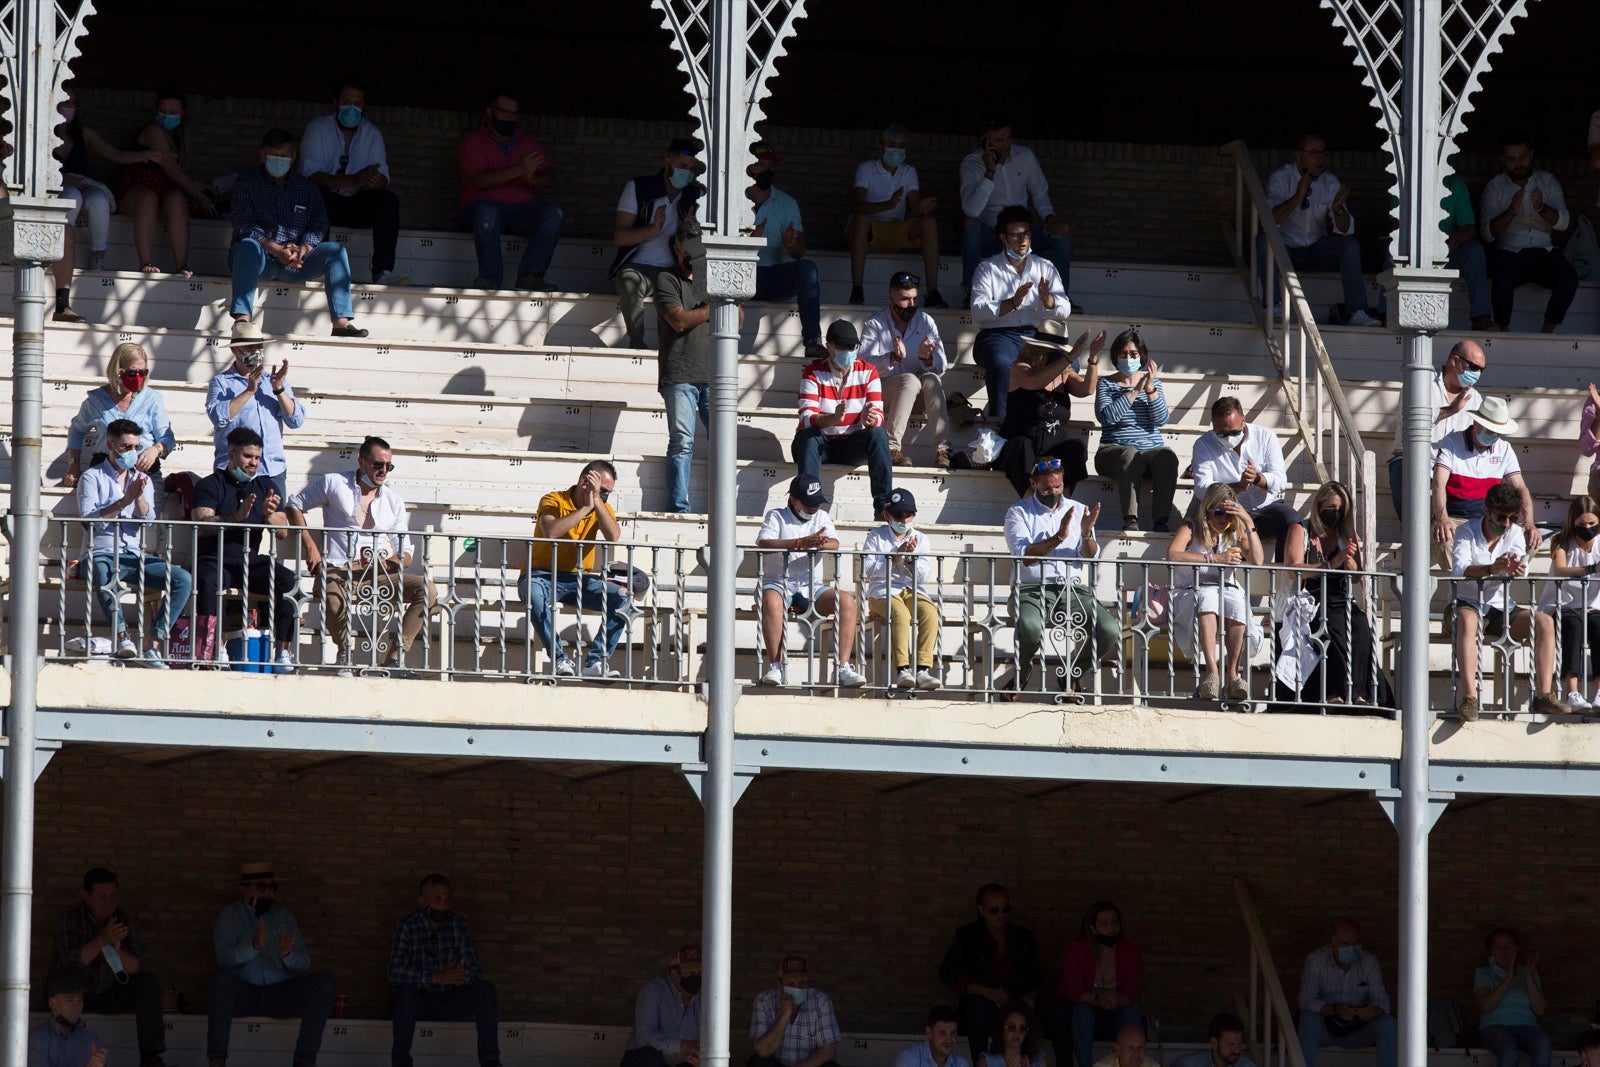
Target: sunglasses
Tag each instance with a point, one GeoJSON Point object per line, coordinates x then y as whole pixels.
{"type": "Point", "coordinates": [387, 468]}
{"type": "Point", "coordinates": [904, 279]}
{"type": "Point", "coordinates": [1047, 465]}
{"type": "Point", "coordinates": [262, 887]}
{"type": "Point", "coordinates": [1465, 362]}
{"type": "Point", "coordinates": [1218, 512]}
{"type": "Point", "coordinates": [136, 374]}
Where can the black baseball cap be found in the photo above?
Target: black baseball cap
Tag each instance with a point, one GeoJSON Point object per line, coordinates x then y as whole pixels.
{"type": "Point", "coordinates": [901, 502]}
{"type": "Point", "coordinates": [808, 491]}
{"type": "Point", "coordinates": [842, 334]}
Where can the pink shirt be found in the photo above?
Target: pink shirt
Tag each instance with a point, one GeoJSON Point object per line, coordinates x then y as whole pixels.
{"type": "Point", "coordinates": [1587, 442]}
{"type": "Point", "coordinates": [480, 151]}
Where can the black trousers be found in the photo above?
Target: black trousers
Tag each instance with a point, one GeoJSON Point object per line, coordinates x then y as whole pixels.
{"type": "Point", "coordinates": [1542, 266]}
{"type": "Point", "coordinates": [141, 996]}
{"type": "Point", "coordinates": [374, 209]}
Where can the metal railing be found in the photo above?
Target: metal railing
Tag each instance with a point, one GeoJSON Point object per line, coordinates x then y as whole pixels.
{"type": "Point", "coordinates": [1269, 1022]}
{"type": "Point", "coordinates": [1289, 325]}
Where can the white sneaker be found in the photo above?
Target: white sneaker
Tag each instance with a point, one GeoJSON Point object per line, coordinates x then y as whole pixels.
{"type": "Point", "coordinates": [1577, 702]}
{"type": "Point", "coordinates": [284, 664]}
{"type": "Point", "coordinates": [565, 669]}
{"type": "Point", "coordinates": [390, 277]}
{"type": "Point", "coordinates": [847, 677]}
{"type": "Point", "coordinates": [599, 672]}
{"type": "Point", "coordinates": [126, 649]}
{"type": "Point", "coordinates": [1361, 318]}
{"type": "Point", "coordinates": [152, 658]}
{"type": "Point", "coordinates": [774, 675]}
{"type": "Point", "coordinates": [927, 681]}
{"type": "Point", "coordinates": [904, 678]}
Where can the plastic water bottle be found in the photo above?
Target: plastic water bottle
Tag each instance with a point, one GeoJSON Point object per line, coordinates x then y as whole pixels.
{"type": "Point", "coordinates": [114, 961]}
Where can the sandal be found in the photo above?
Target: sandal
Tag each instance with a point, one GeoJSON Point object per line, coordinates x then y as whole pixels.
{"type": "Point", "coordinates": [184, 272]}
{"type": "Point", "coordinates": [149, 268]}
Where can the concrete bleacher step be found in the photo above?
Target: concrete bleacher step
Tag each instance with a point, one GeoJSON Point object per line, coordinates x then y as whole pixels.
{"type": "Point", "coordinates": [1323, 290]}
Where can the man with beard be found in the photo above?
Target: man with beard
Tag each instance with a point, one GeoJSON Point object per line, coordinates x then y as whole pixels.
{"type": "Point", "coordinates": [434, 975]}
{"type": "Point", "coordinates": [1227, 1045]}
{"type": "Point", "coordinates": [1522, 207]}
{"type": "Point", "coordinates": [903, 342]}
{"type": "Point", "coordinates": [1309, 207]}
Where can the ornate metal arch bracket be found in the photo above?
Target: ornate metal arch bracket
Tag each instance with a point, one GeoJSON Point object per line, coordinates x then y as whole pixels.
{"type": "Point", "coordinates": [1470, 33]}
{"type": "Point", "coordinates": [34, 88]}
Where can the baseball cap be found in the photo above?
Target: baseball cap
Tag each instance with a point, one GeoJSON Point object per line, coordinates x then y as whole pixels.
{"type": "Point", "coordinates": [808, 491]}
{"type": "Point", "coordinates": [900, 502]}
{"type": "Point", "coordinates": [792, 965]}
{"type": "Point", "coordinates": [842, 334]}
{"type": "Point", "coordinates": [765, 152]}
{"type": "Point", "coordinates": [686, 954]}
{"type": "Point", "coordinates": [684, 146]}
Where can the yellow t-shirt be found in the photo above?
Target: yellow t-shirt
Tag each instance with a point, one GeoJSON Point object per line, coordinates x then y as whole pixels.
{"type": "Point", "coordinates": [560, 504]}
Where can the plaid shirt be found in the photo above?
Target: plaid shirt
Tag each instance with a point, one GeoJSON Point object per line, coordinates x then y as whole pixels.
{"type": "Point", "coordinates": [418, 949]}
{"type": "Point", "coordinates": [813, 1026]}
{"type": "Point", "coordinates": [288, 212]}
{"type": "Point", "coordinates": [76, 929]}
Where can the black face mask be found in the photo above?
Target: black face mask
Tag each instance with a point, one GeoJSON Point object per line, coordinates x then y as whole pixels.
{"type": "Point", "coordinates": [504, 127]}
{"type": "Point", "coordinates": [904, 314]}
{"type": "Point", "coordinates": [1108, 940]}
{"type": "Point", "coordinates": [1585, 533]}
{"type": "Point", "coordinates": [437, 916]}
{"type": "Point", "coordinates": [1331, 517]}
{"type": "Point", "coordinates": [263, 905]}
{"type": "Point", "coordinates": [65, 1023]}
{"type": "Point", "coordinates": [764, 180]}
{"type": "Point", "coordinates": [690, 984]}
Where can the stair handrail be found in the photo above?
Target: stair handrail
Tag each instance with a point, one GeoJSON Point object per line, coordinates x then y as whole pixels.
{"type": "Point", "coordinates": [1289, 326]}
{"type": "Point", "coordinates": [1267, 1011]}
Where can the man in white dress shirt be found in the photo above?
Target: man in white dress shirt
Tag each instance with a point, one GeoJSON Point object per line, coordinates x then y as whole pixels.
{"type": "Point", "coordinates": [1521, 208]}
{"type": "Point", "coordinates": [1309, 207]}
{"type": "Point", "coordinates": [1250, 459]}
{"type": "Point", "coordinates": [997, 175]}
{"type": "Point", "coordinates": [890, 214]}
{"type": "Point", "coordinates": [344, 156]}
{"type": "Point", "coordinates": [1012, 293]}
{"type": "Point", "coordinates": [903, 342]}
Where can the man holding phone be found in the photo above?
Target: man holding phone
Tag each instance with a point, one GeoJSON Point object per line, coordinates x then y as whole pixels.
{"type": "Point", "coordinates": [998, 175]}
{"type": "Point", "coordinates": [792, 1024]}
{"type": "Point", "coordinates": [101, 941]}
{"type": "Point", "coordinates": [1309, 206]}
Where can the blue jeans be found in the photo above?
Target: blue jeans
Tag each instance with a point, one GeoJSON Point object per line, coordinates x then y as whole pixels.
{"type": "Point", "coordinates": [539, 224]}
{"type": "Point", "coordinates": [1505, 1043]}
{"type": "Point", "coordinates": [684, 401]}
{"type": "Point", "coordinates": [795, 278]}
{"type": "Point", "coordinates": [1382, 1032]}
{"type": "Point", "coordinates": [811, 449]}
{"type": "Point", "coordinates": [1089, 1023]}
{"type": "Point", "coordinates": [105, 572]}
{"type": "Point", "coordinates": [995, 350]}
{"type": "Point", "coordinates": [413, 1004]}
{"type": "Point", "coordinates": [1472, 260]}
{"type": "Point", "coordinates": [542, 591]}
{"type": "Point", "coordinates": [1339, 252]}
{"type": "Point", "coordinates": [251, 266]}
{"type": "Point", "coordinates": [979, 242]}
{"type": "Point", "coordinates": [310, 996]}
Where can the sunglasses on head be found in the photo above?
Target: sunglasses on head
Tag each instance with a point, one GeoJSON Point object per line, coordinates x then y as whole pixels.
{"type": "Point", "coordinates": [904, 279]}
{"type": "Point", "coordinates": [1047, 465]}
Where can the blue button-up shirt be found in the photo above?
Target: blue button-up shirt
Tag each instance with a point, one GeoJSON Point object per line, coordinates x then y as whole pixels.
{"type": "Point", "coordinates": [417, 949]}
{"type": "Point", "coordinates": [49, 1047]}
{"type": "Point", "coordinates": [264, 415]}
{"type": "Point", "coordinates": [290, 211]}
{"type": "Point", "coordinates": [233, 937]}
{"type": "Point", "coordinates": [662, 1020]}
{"type": "Point", "coordinates": [920, 1055]}
{"type": "Point", "coordinates": [87, 433]}
{"type": "Point", "coordinates": [102, 486]}
{"type": "Point", "coordinates": [1324, 982]}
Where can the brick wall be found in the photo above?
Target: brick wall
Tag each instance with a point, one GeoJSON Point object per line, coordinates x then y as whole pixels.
{"type": "Point", "coordinates": [577, 890]}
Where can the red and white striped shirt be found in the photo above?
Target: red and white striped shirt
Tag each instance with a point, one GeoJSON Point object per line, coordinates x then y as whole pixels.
{"type": "Point", "coordinates": [823, 391]}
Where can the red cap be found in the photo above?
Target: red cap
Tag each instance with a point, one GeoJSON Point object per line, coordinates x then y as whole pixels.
{"type": "Point", "coordinates": [792, 965]}
{"type": "Point", "coordinates": [686, 954]}
{"type": "Point", "coordinates": [765, 152]}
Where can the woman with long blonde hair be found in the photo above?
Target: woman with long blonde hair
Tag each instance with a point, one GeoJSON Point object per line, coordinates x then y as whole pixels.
{"type": "Point", "coordinates": [1210, 597]}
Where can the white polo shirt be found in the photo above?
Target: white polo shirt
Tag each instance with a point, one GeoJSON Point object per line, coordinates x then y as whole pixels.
{"type": "Point", "coordinates": [1473, 473]}
{"type": "Point", "coordinates": [797, 572]}
{"type": "Point", "coordinates": [1028, 522]}
{"type": "Point", "coordinates": [880, 184]}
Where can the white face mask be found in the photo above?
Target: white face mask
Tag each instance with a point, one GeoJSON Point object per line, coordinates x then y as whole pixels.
{"type": "Point", "coordinates": [900, 528]}
{"type": "Point", "coordinates": [1232, 439]}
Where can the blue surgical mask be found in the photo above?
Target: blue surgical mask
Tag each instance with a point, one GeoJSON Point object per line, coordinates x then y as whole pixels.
{"type": "Point", "coordinates": [900, 528]}
{"type": "Point", "coordinates": [1468, 377]}
{"type": "Point", "coordinates": [349, 116]}
{"type": "Point", "coordinates": [893, 157]}
{"type": "Point", "coordinates": [168, 122]}
{"type": "Point", "coordinates": [238, 474]}
{"type": "Point", "coordinates": [1348, 954]}
{"type": "Point", "coordinates": [1017, 257]}
{"type": "Point", "coordinates": [796, 993]}
{"type": "Point", "coordinates": [681, 177]}
{"type": "Point", "coordinates": [844, 359]}
{"type": "Point", "coordinates": [366, 479]}
{"type": "Point", "coordinates": [278, 166]}
{"type": "Point", "coordinates": [126, 460]}
{"type": "Point", "coordinates": [1128, 366]}
{"type": "Point", "coordinates": [1487, 438]}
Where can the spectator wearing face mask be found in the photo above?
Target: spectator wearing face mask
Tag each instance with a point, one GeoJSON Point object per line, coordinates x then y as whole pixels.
{"type": "Point", "coordinates": [280, 233]}
{"type": "Point", "coordinates": [649, 212]}
{"type": "Point", "coordinates": [890, 214]}
{"type": "Point", "coordinates": [666, 1017]}
{"type": "Point", "coordinates": [782, 271]}
{"type": "Point", "coordinates": [1248, 459]}
{"type": "Point", "coordinates": [1101, 977]}
{"type": "Point", "coordinates": [898, 571]}
{"type": "Point", "coordinates": [247, 395]}
{"type": "Point", "coordinates": [1343, 1001]}
{"type": "Point", "coordinates": [1470, 462]}
{"type": "Point", "coordinates": [1013, 294]}
{"type": "Point", "coordinates": [1573, 596]}
{"type": "Point", "coordinates": [125, 395]}
{"type": "Point", "coordinates": [505, 181]}
{"type": "Point", "coordinates": [434, 975]}
{"type": "Point", "coordinates": [153, 193]}
{"type": "Point", "coordinates": [344, 156]}
{"type": "Point", "coordinates": [903, 343]}
{"type": "Point", "coordinates": [792, 1023]}
{"type": "Point", "coordinates": [1455, 398]}
{"type": "Point", "coordinates": [841, 415]}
